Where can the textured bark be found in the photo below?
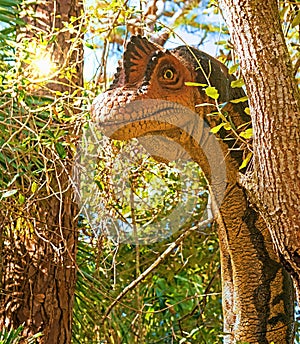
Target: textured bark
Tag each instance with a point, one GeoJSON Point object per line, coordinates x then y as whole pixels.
{"type": "Point", "coordinates": [274, 99]}
{"type": "Point", "coordinates": [39, 244]}
{"type": "Point", "coordinates": [39, 272]}
{"type": "Point", "coordinates": [257, 291]}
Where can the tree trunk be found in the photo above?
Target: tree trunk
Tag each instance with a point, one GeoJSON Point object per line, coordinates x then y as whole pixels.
{"type": "Point", "coordinates": [274, 102]}
{"type": "Point", "coordinates": [39, 244]}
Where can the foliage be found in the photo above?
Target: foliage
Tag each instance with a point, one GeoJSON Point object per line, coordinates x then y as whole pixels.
{"type": "Point", "coordinates": [14, 336]}
{"type": "Point", "coordinates": [26, 137]}
{"type": "Point", "coordinates": [9, 12]}
{"type": "Point", "coordinates": [35, 122]}
{"type": "Point", "coordinates": [181, 297]}
{"type": "Point", "coordinates": [290, 15]}
{"type": "Point", "coordinates": [9, 18]}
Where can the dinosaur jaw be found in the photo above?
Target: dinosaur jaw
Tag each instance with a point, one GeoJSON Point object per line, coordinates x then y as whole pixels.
{"type": "Point", "coordinates": [163, 127]}
{"type": "Point", "coordinates": [127, 118]}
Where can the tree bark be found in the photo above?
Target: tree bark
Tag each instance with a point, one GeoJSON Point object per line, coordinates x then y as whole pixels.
{"type": "Point", "coordinates": [274, 101]}
{"type": "Point", "coordinates": [39, 245]}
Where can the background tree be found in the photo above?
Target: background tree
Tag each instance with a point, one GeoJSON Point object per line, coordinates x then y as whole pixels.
{"type": "Point", "coordinates": [41, 88]}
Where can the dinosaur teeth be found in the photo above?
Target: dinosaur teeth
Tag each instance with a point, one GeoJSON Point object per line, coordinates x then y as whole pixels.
{"type": "Point", "coordinates": [143, 89]}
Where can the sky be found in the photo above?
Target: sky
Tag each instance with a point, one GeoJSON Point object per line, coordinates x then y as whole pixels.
{"type": "Point", "coordinates": [93, 57]}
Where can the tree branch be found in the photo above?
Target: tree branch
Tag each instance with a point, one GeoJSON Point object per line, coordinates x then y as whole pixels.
{"type": "Point", "coordinates": [163, 256]}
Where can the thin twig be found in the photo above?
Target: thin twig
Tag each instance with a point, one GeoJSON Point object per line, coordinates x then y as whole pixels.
{"type": "Point", "coordinates": [166, 32]}
{"type": "Point", "coordinates": [163, 256]}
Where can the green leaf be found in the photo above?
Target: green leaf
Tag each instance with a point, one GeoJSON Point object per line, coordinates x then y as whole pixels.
{"type": "Point", "coordinates": [283, 12]}
{"type": "Point", "coordinates": [247, 134]}
{"type": "Point", "coordinates": [10, 2]}
{"type": "Point", "coordinates": [9, 193]}
{"type": "Point", "coordinates": [227, 126]}
{"type": "Point", "coordinates": [239, 100]}
{"type": "Point", "coordinates": [34, 187]}
{"type": "Point", "coordinates": [246, 161]}
{"type": "Point", "coordinates": [221, 42]}
{"type": "Point", "coordinates": [233, 68]}
{"type": "Point", "coordinates": [215, 129]}
{"type": "Point", "coordinates": [91, 46]}
{"type": "Point", "coordinates": [247, 111]}
{"type": "Point", "coordinates": [191, 83]}
{"type": "Point", "coordinates": [52, 39]}
{"type": "Point", "coordinates": [296, 20]}
{"type": "Point", "coordinates": [100, 184]}
{"type": "Point", "coordinates": [237, 83]}
{"type": "Point", "coordinates": [21, 198]}
{"type": "Point", "coordinates": [212, 92]}
{"type": "Point", "coordinates": [60, 150]}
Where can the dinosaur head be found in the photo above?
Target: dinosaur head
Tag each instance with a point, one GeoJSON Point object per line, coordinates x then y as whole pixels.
{"type": "Point", "coordinates": [149, 95]}
{"type": "Point", "coordinates": [148, 81]}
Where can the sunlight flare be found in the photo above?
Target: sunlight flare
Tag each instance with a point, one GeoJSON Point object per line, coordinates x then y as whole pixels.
{"type": "Point", "coordinates": [42, 65]}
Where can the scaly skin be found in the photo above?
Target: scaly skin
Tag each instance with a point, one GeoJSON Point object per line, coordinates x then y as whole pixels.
{"type": "Point", "coordinates": [148, 97]}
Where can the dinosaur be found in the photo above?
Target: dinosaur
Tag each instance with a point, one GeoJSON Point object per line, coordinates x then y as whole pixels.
{"type": "Point", "coordinates": [161, 97]}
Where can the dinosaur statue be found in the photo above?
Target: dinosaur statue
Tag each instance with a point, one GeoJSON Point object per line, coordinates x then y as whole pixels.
{"type": "Point", "coordinates": [151, 98]}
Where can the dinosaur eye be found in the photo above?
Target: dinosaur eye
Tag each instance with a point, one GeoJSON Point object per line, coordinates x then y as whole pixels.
{"type": "Point", "coordinates": [169, 77]}
{"type": "Point", "coordinates": [168, 74]}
